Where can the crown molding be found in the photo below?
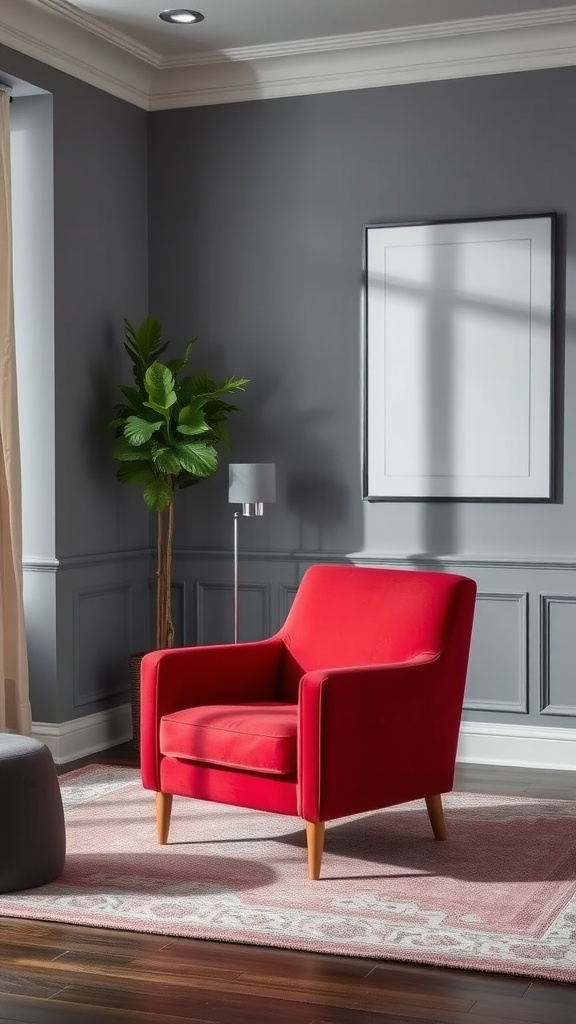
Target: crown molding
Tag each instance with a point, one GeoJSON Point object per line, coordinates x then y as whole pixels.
{"type": "Point", "coordinates": [56, 33]}
{"type": "Point", "coordinates": [383, 37]}
{"type": "Point", "coordinates": [95, 27]}
{"type": "Point", "coordinates": [488, 47]}
{"type": "Point", "coordinates": [52, 32]}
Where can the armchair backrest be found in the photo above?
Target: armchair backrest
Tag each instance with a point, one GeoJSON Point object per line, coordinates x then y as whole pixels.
{"type": "Point", "coordinates": [345, 615]}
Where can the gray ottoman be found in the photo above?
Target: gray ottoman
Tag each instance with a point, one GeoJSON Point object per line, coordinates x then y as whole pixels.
{"type": "Point", "coordinates": [32, 833]}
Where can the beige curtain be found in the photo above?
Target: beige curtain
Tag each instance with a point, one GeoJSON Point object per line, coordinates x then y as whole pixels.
{"type": "Point", "coordinates": [14, 702]}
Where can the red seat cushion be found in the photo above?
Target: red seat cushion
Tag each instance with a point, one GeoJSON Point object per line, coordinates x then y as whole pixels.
{"type": "Point", "coordinates": [253, 737]}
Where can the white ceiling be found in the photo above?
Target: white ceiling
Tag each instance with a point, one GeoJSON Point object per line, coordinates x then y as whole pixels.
{"type": "Point", "coordinates": [232, 24]}
{"type": "Point", "coordinates": [264, 49]}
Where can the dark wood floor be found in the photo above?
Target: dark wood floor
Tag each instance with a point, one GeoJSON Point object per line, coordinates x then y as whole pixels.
{"type": "Point", "coordinates": [57, 974]}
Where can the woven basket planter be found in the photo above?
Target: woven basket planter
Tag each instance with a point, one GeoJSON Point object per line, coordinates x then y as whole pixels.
{"type": "Point", "coordinates": [134, 661]}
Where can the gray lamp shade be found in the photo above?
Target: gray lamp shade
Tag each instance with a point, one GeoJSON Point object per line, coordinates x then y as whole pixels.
{"type": "Point", "coordinates": [252, 483]}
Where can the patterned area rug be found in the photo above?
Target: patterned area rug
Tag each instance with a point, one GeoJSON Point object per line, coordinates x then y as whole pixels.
{"type": "Point", "coordinates": [500, 895]}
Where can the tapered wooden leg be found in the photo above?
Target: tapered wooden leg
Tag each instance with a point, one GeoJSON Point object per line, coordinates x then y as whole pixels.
{"type": "Point", "coordinates": [436, 815]}
{"type": "Point", "coordinates": [163, 811]}
{"type": "Point", "coordinates": [315, 844]}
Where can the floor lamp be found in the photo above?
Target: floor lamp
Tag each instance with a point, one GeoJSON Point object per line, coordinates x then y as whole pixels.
{"type": "Point", "coordinates": [251, 485]}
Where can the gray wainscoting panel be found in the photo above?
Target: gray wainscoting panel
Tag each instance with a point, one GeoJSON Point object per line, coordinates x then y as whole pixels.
{"type": "Point", "coordinates": [215, 612]}
{"type": "Point", "coordinates": [40, 615]}
{"type": "Point", "coordinates": [286, 596]}
{"type": "Point", "coordinates": [102, 622]}
{"type": "Point", "coordinates": [498, 676]}
{"type": "Point", "coordinates": [103, 617]}
{"type": "Point", "coordinates": [558, 663]}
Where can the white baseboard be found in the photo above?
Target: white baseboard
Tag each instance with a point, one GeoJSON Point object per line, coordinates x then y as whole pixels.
{"type": "Point", "coordinates": [517, 746]}
{"type": "Point", "coordinates": [68, 741]}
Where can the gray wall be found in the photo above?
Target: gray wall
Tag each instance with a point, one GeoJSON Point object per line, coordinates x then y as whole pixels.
{"type": "Point", "coordinates": [95, 598]}
{"type": "Point", "coordinates": [256, 214]}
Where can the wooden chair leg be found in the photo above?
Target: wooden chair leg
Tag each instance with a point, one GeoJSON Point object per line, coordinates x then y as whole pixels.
{"type": "Point", "coordinates": [436, 815]}
{"type": "Point", "coordinates": [163, 811]}
{"type": "Point", "coordinates": [315, 845]}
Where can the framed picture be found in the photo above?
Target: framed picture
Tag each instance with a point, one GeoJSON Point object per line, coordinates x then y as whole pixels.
{"type": "Point", "coordinates": [458, 355]}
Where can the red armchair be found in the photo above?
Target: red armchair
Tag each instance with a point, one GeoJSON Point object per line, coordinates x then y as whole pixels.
{"type": "Point", "coordinates": [354, 705]}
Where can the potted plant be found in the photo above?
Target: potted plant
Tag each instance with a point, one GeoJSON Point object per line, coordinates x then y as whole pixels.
{"type": "Point", "coordinates": [167, 431]}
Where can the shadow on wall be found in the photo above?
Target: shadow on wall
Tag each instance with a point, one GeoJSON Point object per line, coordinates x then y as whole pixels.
{"type": "Point", "coordinates": [105, 372]}
{"type": "Point", "coordinates": [311, 428]}
{"type": "Point", "coordinates": [316, 508]}
{"type": "Point", "coordinates": [321, 503]}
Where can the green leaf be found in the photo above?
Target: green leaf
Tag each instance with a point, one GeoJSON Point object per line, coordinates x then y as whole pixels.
{"type": "Point", "coordinates": [138, 368]}
{"type": "Point", "coordinates": [138, 431]}
{"type": "Point", "coordinates": [217, 411]}
{"type": "Point", "coordinates": [201, 386]}
{"type": "Point", "coordinates": [166, 460]}
{"type": "Point", "coordinates": [201, 383]}
{"type": "Point", "coordinates": [197, 458]}
{"type": "Point", "coordinates": [183, 428]}
{"type": "Point", "coordinates": [234, 384]}
{"type": "Point", "coordinates": [126, 452]}
{"type": "Point", "coordinates": [134, 473]}
{"type": "Point", "coordinates": [222, 434]}
{"type": "Point", "coordinates": [143, 344]}
{"type": "Point", "coordinates": [187, 480]}
{"type": "Point", "coordinates": [167, 428]}
{"type": "Point", "coordinates": [123, 410]}
{"type": "Point", "coordinates": [132, 395]}
{"type": "Point", "coordinates": [146, 338]}
{"type": "Point", "coordinates": [129, 329]}
{"type": "Point", "coordinates": [162, 409]}
{"type": "Point", "coordinates": [191, 420]}
{"type": "Point", "coordinates": [159, 381]}
{"type": "Point", "coordinates": [133, 353]}
{"type": "Point", "coordinates": [178, 364]}
{"type": "Point", "coordinates": [158, 495]}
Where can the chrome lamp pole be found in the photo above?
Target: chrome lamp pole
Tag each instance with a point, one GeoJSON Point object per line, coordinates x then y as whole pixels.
{"type": "Point", "coordinates": [251, 485]}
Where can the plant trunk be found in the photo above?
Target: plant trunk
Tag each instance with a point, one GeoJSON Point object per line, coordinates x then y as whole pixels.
{"type": "Point", "coordinates": [165, 533]}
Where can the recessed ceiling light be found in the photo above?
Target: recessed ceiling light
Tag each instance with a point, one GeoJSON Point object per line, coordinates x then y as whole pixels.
{"type": "Point", "coordinates": [180, 16]}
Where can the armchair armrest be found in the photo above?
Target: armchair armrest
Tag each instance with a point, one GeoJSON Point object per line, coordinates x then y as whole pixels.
{"type": "Point", "coordinates": [374, 735]}
{"type": "Point", "coordinates": [183, 677]}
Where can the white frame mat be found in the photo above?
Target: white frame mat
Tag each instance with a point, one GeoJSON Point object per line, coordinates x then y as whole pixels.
{"type": "Point", "coordinates": [458, 360]}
